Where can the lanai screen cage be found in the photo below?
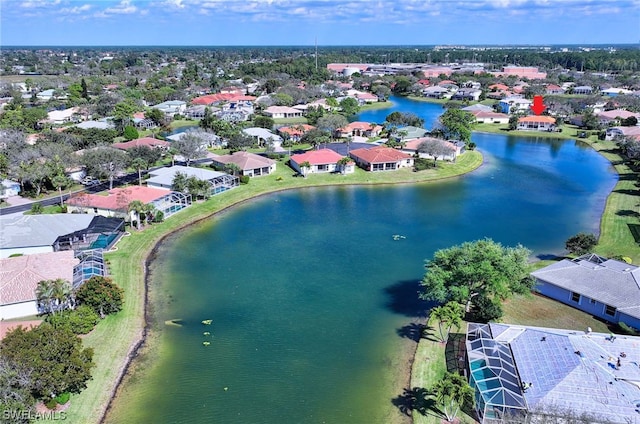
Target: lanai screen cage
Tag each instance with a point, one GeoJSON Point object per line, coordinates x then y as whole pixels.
{"type": "Point", "coordinates": [91, 264]}
{"type": "Point", "coordinates": [101, 233]}
{"type": "Point", "coordinates": [494, 377]}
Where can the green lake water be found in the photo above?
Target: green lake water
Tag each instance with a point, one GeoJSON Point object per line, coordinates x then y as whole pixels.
{"type": "Point", "coordinates": [312, 299]}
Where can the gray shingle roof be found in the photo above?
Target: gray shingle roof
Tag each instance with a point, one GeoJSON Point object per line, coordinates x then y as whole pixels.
{"type": "Point", "coordinates": [39, 230]}
{"type": "Point", "coordinates": [611, 282]}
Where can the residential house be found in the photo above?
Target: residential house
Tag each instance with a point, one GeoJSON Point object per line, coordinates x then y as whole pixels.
{"type": "Point", "coordinates": [162, 178]}
{"type": "Point", "coordinates": [19, 278]}
{"type": "Point", "coordinates": [321, 161]}
{"type": "Point", "coordinates": [116, 202]}
{"type": "Point", "coordinates": [605, 288]}
{"type": "Point", "coordinates": [554, 89]}
{"type": "Point", "coordinates": [151, 142]}
{"type": "Point", "coordinates": [9, 188]}
{"type": "Point", "coordinates": [437, 92]}
{"type": "Point", "coordinates": [471, 94]}
{"type": "Point", "coordinates": [614, 132]}
{"type": "Point", "coordinates": [60, 117]}
{"type": "Point", "coordinates": [282, 112]}
{"type": "Point", "coordinates": [536, 123]}
{"type": "Point", "coordinates": [615, 91]}
{"type": "Point", "coordinates": [456, 148]}
{"type": "Point", "coordinates": [359, 129]}
{"type": "Point", "coordinates": [263, 135]}
{"type": "Point", "coordinates": [409, 132]}
{"type": "Point", "coordinates": [171, 108]}
{"type": "Point", "coordinates": [30, 234]}
{"type": "Point", "coordinates": [583, 89]}
{"type": "Point", "coordinates": [381, 158]}
{"type": "Point", "coordinates": [478, 107]}
{"type": "Point", "coordinates": [523, 374]}
{"type": "Point", "coordinates": [490, 117]}
{"type": "Point", "coordinates": [250, 164]}
{"type": "Point", "coordinates": [613, 117]}
{"type": "Point", "coordinates": [101, 124]}
{"type": "Point", "coordinates": [295, 132]}
{"type": "Point", "coordinates": [511, 105]}
{"type": "Point", "coordinates": [46, 95]}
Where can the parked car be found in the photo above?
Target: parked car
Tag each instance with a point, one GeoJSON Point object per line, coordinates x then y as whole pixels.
{"type": "Point", "coordinates": [89, 181]}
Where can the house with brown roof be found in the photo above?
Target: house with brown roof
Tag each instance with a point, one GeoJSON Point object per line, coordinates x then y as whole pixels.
{"type": "Point", "coordinates": [115, 202]}
{"type": "Point", "coordinates": [250, 164]}
{"type": "Point", "coordinates": [151, 142]}
{"type": "Point", "coordinates": [321, 161]}
{"type": "Point", "coordinates": [614, 116]}
{"type": "Point", "coordinates": [295, 132]}
{"type": "Point", "coordinates": [456, 148]}
{"type": "Point", "coordinates": [536, 123]}
{"type": "Point", "coordinates": [359, 129]}
{"type": "Point", "coordinates": [381, 158]}
{"type": "Point", "coordinates": [19, 277]}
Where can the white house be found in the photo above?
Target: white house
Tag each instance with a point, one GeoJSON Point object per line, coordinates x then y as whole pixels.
{"type": "Point", "coordinates": [280, 112]}
{"type": "Point", "coordinates": [19, 277]}
{"type": "Point", "coordinates": [172, 107]}
{"type": "Point", "coordinates": [9, 188]}
{"type": "Point", "coordinates": [511, 105]}
{"type": "Point", "coordinates": [320, 161]}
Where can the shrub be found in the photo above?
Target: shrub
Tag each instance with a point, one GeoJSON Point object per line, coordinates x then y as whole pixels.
{"type": "Point", "coordinates": [79, 321]}
{"type": "Point", "coordinates": [581, 243]}
{"type": "Point", "coordinates": [420, 164]}
{"type": "Point", "coordinates": [62, 398]}
{"type": "Point", "coordinates": [51, 403]}
{"type": "Point", "coordinates": [158, 217]}
{"type": "Point", "coordinates": [486, 309]}
{"type": "Point", "coordinates": [130, 133]}
{"type": "Point", "coordinates": [37, 208]}
{"type": "Point", "coordinates": [244, 179]}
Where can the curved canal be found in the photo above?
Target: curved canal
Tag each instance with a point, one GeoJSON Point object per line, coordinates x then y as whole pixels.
{"type": "Point", "coordinates": [312, 300]}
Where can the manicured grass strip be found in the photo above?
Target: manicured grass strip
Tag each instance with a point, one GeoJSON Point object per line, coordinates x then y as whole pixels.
{"type": "Point", "coordinates": [116, 337]}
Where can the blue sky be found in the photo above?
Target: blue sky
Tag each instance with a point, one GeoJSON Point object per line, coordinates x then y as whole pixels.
{"type": "Point", "coordinates": [333, 22]}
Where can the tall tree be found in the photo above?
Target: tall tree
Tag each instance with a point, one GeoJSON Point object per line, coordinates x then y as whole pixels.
{"type": "Point", "coordinates": [447, 316]}
{"type": "Point", "coordinates": [138, 208]}
{"type": "Point", "coordinates": [105, 162]}
{"type": "Point", "coordinates": [57, 361]}
{"type": "Point", "coordinates": [481, 267]}
{"type": "Point", "coordinates": [435, 148]}
{"type": "Point", "coordinates": [456, 124]}
{"type": "Point", "coordinates": [452, 393]}
{"type": "Point", "coordinates": [331, 122]}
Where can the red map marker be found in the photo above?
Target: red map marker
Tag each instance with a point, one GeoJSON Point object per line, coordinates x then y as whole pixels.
{"type": "Point", "coordinates": [538, 106]}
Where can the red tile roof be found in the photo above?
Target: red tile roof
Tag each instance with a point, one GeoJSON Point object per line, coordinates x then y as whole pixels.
{"type": "Point", "coordinates": [380, 154]}
{"type": "Point", "coordinates": [221, 97]}
{"type": "Point", "coordinates": [317, 157]}
{"type": "Point", "coordinates": [145, 141]}
{"type": "Point", "coordinates": [296, 129]}
{"type": "Point", "coordinates": [118, 198]}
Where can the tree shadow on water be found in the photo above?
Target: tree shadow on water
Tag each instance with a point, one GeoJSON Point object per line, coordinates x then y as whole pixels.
{"type": "Point", "coordinates": [403, 299]}
{"type": "Point", "coordinates": [412, 331]}
{"type": "Point", "coordinates": [417, 399]}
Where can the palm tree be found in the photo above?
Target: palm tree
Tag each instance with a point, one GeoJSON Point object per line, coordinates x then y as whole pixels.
{"type": "Point", "coordinates": [138, 208]}
{"type": "Point", "coordinates": [348, 141]}
{"type": "Point", "coordinates": [60, 181]}
{"type": "Point", "coordinates": [62, 294]}
{"type": "Point", "coordinates": [44, 295]}
{"type": "Point", "coordinates": [447, 316]}
{"type": "Point", "coordinates": [232, 168]}
{"type": "Point", "coordinates": [139, 164]}
{"type": "Point", "coordinates": [342, 164]}
{"type": "Point", "coordinates": [452, 392]}
{"type": "Point", "coordinates": [305, 167]}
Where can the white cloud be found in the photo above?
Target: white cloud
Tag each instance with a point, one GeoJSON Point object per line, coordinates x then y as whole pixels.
{"type": "Point", "coordinates": [123, 8]}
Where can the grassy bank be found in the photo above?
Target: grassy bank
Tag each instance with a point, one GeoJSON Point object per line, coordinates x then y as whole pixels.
{"type": "Point", "coordinates": [376, 105]}
{"type": "Point", "coordinates": [116, 337]}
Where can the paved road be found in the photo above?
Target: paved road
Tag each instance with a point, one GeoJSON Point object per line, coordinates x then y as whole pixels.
{"type": "Point", "coordinates": [54, 200]}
